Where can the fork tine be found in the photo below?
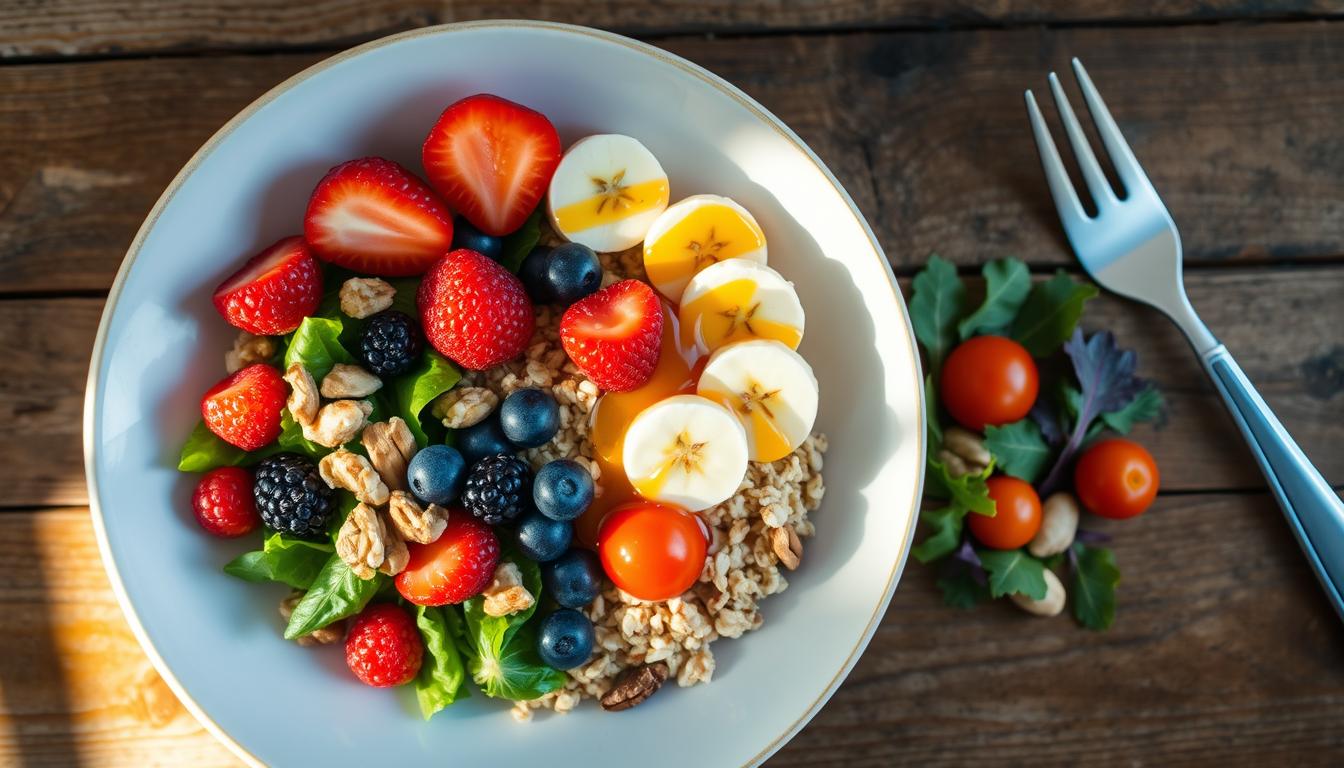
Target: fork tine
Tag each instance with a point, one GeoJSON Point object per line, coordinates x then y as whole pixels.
{"type": "Point", "coordinates": [1122, 157]}
{"type": "Point", "coordinates": [1082, 149]}
{"type": "Point", "coordinates": [1071, 211]}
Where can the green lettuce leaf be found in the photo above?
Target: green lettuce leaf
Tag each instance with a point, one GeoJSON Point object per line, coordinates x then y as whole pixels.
{"type": "Point", "coordinates": [1007, 284]}
{"type": "Point", "coordinates": [521, 242]}
{"type": "Point", "coordinates": [416, 389]}
{"type": "Point", "coordinates": [1013, 572]}
{"type": "Point", "coordinates": [1146, 406]}
{"type": "Point", "coordinates": [439, 682]}
{"type": "Point", "coordinates": [968, 492]}
{"type": "Point", "coordinates": [944, 537]}
{"type": "Point", "coordinates": [284, 559]}
{"type": "Point", "coordinates": [1050, 313]}
{"type": "Point", "coordinates": [935, 307]}
{"type": "Point", "coordinates": [1018, 449]}
{"type": "Point", "coordinates": [1094, 580]}
{"type": "Point", "coordinates": [336, 593]}
{"type": "Point", "coordinates": [504, 660]}
{"type": "Point", "coordinates": [317, 344]}
{"type": "Point", "coordinates": [961, 590]}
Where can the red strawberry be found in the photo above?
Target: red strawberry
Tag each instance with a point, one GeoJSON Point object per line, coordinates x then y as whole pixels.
{"type": "Point", "coordinates": [273, 291]}
{"type": "Point", "coordinates": [458, 565]}
{"type": "Point", "coordinates": [223, 502]}
{"type": "Point", "coordinates": [383, 647]}
{"type": "Point", "coordinates": [492, 160]}
{"type": "Point", "coordinates": [375, 217]}
{"type": "Point", "coordinates": [244, 408]}
{"type": "Point", "coordinates": [474, 312]}
{"type": "Point", "coordinates": [615, 335]}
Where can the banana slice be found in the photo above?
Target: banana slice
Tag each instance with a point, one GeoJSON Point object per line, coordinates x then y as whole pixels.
{"type": "Point", "coordinates": [693, 234]}
{"type": "Point", "coordinates": [740, 300]}
{"type": "Point", "coordinates": [770, 389]}
{"type": "Point", "coordinates": [685, 450]}
{"type": "Point", "coordinates": [606, 192]}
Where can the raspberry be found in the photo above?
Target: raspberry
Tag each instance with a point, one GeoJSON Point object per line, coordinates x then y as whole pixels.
{"type": "Point", "coordinates": [292, 497]}
{"type": "Point", "coordinates": [383, 647]}
{"type": "Point", "coordinates": [390, 344]}
{"type": "Point", "coordinates": [615, 335]}
{"type": "Point", "coordinates": [474, 311]}
{"type": "Point", "coordinates": [273, 291]}
{"type": "Point", "coordinates": [244, 409]}
{"type": "Point", "coordinates": [496, 488]}
{"type": "Point", "coordinates": [223, 502]}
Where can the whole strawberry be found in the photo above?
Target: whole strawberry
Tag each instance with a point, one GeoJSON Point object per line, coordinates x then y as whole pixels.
{"type": "Point", "coordinates": [244, 409]}
{"type": "Point", "coordinates": [474, 312]}
{"type": "Point", "coordinates": [615, 335]}
{"type": "Point", "coordinates": [223, 502]}
{"type": "Point", "coordinates": [455, 566]}
{"type": "Point", "coordinates": [383, 647]}
{"type": "Point", "coordinates": [273, 291]}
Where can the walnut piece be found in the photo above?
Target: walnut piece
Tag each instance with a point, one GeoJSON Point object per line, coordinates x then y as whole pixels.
{"type": "Point", "coordinates": [303, 401]}
{"type": "Point", "coordinates": [364, 296]}
{"type": "Point", "coordinates": [634, 686]}
{"type": "Point", "coordinates": [346, 381]}
{"type": "Point", "coordinates": [506, 594]}
{"type": "Point", "coordinates": [391, 447]}
{"type": "Point", "coordinates": [332, 633]}
{"type": "Point", "coordinates": [337, 423]}
{"type": "Point", "coordinates": [354, 473]}
{"type": "Point", "coordinates": [787, 546]}
{"type": "Point", "coordinates": [423, 526]}
{"type": "Point", "coordinates": [248, 350]}
{"type": "Point", "coordinates": [360, 542]}
{"type": "Point", "coordinates": [463, 407]}
{"type": "Point", "coordinates": [397, 555]}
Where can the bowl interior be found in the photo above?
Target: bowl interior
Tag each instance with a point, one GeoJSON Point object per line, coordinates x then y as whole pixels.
{"type": "Point", "coordinates": [217, 639]}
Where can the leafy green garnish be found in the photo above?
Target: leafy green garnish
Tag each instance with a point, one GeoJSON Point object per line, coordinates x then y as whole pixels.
{"type": "Point", "coordinates": [292, 439]}
{"type": "Point", "coordinates": [205, 451]}
{"type": "Point", "coordinates": [284, 559]}
{"type": "Point", "coordinates": [416, 389]}
{"type": "Point", "coordinates": [1095, 577]}
{"type": "Point", "coordinates": [1018, 449]}
{"type": "Point", "coordinates": [1013, 572]}
{"type": "Point", "coordinates": [317, 344]}
{"type": "Point", "coordinates": [961, 590]}
{"type": "Point", "coordinates": [1007, 283]}
{"type": "Point", "coordinates": [935, 430]}
{"type": "Point", "coordinates": [439, 682]}
{"type": "Point", "coordinates": [520, 242]}
{"type": "Point", "coordinates": [935, 306]}
{"type": "Point", "coordinates": [1145, 406]}
{"type": "Point", "coordinates": [504, 660]}
{"type": "Point", "coordinates": [945, 524]}
{"type": "Point", "coordinates": [1050, 313]}
{"type": "Point", "coordinates": [336, 593]}
{"type": "Point", "coordinates": [968, 492]}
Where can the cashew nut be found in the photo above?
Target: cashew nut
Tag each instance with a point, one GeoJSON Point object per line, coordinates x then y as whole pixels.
{"type": "Point", "coordinates": [1059, 524]}
{"type": "Point", "coordinates": [963, 452]}
{"type": "Point", "coordinates": [1050, 605]}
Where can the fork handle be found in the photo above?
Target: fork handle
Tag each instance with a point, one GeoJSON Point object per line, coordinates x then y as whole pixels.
{"type": "Point", "coordinates": [1314, 511]}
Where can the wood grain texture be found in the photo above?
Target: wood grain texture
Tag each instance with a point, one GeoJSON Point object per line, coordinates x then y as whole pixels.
{"type": "Point", "coordinates": [1237, 126]}
{"type": "Point", "coordinates": [85, 27]}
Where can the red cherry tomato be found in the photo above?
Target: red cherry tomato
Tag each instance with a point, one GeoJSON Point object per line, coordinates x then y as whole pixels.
{"type": "Point", "coordinates": [989, 380]}
{"type": "Point", "coordinates": [1116, 478]}
{"type": "Point", "coordinates": [1018, 517]}
{"type": "Point", "coordinates": [653, 551]}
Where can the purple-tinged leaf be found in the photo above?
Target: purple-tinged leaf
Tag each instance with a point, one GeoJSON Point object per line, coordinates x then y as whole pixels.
{"type": "Point", "coordinates": [1091, 537]}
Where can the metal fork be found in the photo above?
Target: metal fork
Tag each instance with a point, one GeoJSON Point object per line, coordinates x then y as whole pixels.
{"type": "Point", "coordinates": [1131, 247]}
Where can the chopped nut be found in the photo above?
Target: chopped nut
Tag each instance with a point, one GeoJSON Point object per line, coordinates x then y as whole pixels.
{"type": "Point", "coordinates": [364, 296]}
{"type": "Point", "coordinates": [346, 381]}
{"type": "Point", "coordinates": [787, 546]}
{"type": "Point", "coordinates": [337, 423]}
{"type": "Point", "coordinates": [423, 526]}
{"type": "Point", "coordinates": [963, 452]}
{"type": "Point", "coordinates": [463, 407]}
{"type": "Point", "coordinates": [398, 556]}
{"type": "Point", "coordinates": [303, 400]}
{"type": "Point", "coordinates": [391, 447]}
{"type": "Point", "coordinates": [634, 686]}
{"type": "Point", "coordinates": [332, 633]}
{"type": "Point", "coordinates": [506, 594]}
{"type": "Point", "coordinates": [360, 542]}
{"type": "Point", "coordinates": [1059, 525]}
{"type": "Point", "coordinates": [354, 473]}
{"type": "Point", "coordinates": [248, 350]}
{"type": "Point", "coordinates": [1050, 605]}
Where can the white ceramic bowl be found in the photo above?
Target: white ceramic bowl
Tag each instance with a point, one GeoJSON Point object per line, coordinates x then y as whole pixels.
{"type": "Point", "coordinates": [216, 640]}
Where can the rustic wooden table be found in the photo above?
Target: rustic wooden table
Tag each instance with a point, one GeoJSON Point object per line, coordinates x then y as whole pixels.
{"type": "Point", "coordinates": [1224, 652]}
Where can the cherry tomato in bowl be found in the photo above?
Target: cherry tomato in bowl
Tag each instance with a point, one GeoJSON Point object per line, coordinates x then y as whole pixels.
{"type": "Point", "coordinates": [989, 380]}
{"type": "Point", "coordinates": [1018, 515]}
{"type": "Point", "coordinates": [652, 551]}
{"type": "Point", "coordinates": [1116, 478]}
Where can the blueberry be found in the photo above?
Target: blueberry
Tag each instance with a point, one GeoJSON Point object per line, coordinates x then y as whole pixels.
{"type": "Point", "coordinates": [563, 490]}
{"type": "Point", "coordinates": [467, 236]}
{"type": "Point", "coordinates": [572, 272]}
{"type": "Point", "coordinates": [436, 474]}
{"type": "Point", "coordinates": [483, 439]}
{"type": "Point", "coordinates": [529, 417]}
{"type": "Point", "coordinates": [533, 274]}
{"type": "Point", "coordinates": [574, 579]}
{"type": "Point", "coordinates": [566, 639]}
{"type": "Point", "coordinates": [541, 538]}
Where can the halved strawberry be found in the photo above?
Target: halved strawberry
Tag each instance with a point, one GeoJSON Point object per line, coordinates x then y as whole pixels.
{"type": "Point", "coordinates": [615, 335]}
{"type": "Point", "coordinates": [375, 217]}
{"type": "Point", "coordinates": [456, 566]}
{"type": "Point", "coordinates": [273, 291]}
{"type": "Point", "coordinates": [244, 409]}
{"type": "Point", "coordinates": [492, 160]}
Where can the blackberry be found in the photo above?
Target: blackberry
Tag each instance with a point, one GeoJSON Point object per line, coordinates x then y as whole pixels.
{"type": "Point", "coordinates": [292, 497]}
{"type": "Point", "coordinates": [391, 343]}
{"type": "Point", "coordinates": [497, 488]}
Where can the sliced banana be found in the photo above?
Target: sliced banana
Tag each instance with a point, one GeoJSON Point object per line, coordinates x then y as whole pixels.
{"type": "Point", "coordinates": [695, 233]}
{"type": "Point", "coordinates": [740, 300]}
{"type": "Point", "coordinates": [685, 450]}
{"type": "Point", "coordinates": [606, 192]}
{"type": "Point", "coordinates": [770, 389]}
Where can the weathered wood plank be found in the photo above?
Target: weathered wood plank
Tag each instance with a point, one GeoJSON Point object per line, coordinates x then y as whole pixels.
{"type": "Point", "coordinates": [1237, 125]}
{"type": "Point", "coordinates": [90, 27]}
{"type": "Point", "coordinates": [1283, 326]}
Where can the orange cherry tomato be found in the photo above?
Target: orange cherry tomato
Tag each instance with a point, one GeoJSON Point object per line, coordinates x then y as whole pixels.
{"type": "Point", "coordinates": [1116, 478]}
{"type": "Point", "coordinates": [989, 380]}
{"type": "Point", "coordinates": [1018, 517]}
{"type": "Point", "coordinates": [653, 551]}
